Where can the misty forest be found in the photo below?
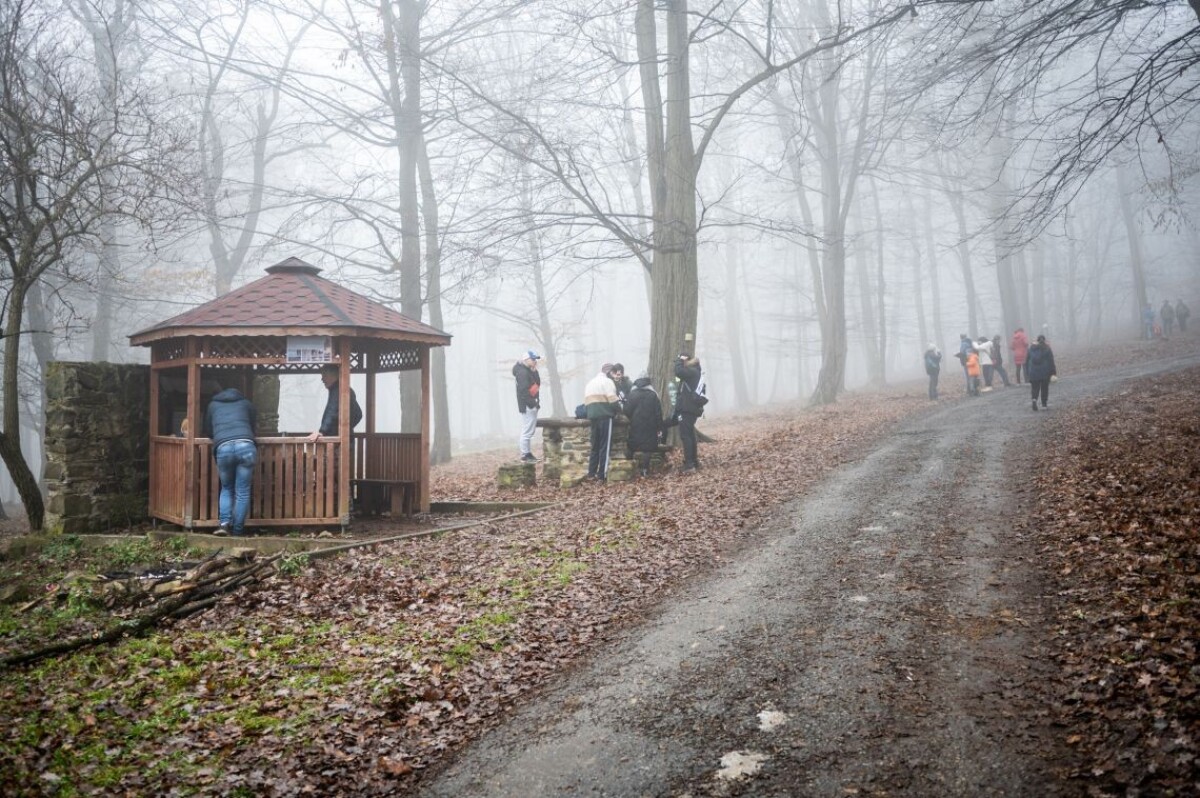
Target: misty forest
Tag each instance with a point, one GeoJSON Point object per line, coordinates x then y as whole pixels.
{"type": "Point", "coordinates": [814, 190]}
{"type": "Point", "coordinates": [863, 591]}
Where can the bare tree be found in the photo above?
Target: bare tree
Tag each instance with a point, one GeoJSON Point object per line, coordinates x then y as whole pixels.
{"type": "Point", "coordinates": [64, 169]}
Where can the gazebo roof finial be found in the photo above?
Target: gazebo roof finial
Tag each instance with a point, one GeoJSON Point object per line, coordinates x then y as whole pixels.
{"type": "Point", "coordinates": [293, 266]}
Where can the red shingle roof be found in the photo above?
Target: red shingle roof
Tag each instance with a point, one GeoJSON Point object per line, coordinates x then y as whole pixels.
{"type": "Point", "coordinates": [292, 300]}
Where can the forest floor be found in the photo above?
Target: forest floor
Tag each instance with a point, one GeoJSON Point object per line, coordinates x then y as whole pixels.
{"type": "Point", "coordinates": [884, 597]}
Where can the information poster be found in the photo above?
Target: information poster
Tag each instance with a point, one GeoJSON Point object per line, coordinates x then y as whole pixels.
{"type": "Point", "coordinates": [309, 349]}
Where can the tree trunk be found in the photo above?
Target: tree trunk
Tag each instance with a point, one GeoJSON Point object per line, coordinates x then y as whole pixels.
{"type": "Point", "coordinates": [10, 439]}
{"type": "Point", "coordinates": [402, 42]}
{"type": "Point", "coordinates": [440, 448]}
{"type": "Point", "coordinates": [881, 286]}
{"type": "Point", "coordinates": [675, 302]}
{"type": "Point", "coordinates": [1134, 236]}
{"type": "Point", "coordinates": [733, 327]}
{"type": "Point", "coordinates": [939, 332]}
{"type": "Point", "coordinates": [1003, 243]}
{"type": "Point", "coordinates": [866, 311]}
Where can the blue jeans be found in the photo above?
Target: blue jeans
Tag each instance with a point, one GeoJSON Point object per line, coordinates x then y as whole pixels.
{"type": "Point", "coordinates": [235, 465]}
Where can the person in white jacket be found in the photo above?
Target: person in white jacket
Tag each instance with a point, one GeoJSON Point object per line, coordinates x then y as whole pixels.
{"type": "Point", "coordinates": [600, 399]}
{"type": "Point", "coordinates": [984, 347]}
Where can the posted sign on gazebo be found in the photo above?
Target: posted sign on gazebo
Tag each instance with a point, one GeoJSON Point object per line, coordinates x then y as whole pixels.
{"type": "Point", "coordinates": [309, 349]}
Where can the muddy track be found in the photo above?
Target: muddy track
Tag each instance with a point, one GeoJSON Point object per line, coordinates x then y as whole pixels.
{"type": "Point", "coordinates": [884, 635]}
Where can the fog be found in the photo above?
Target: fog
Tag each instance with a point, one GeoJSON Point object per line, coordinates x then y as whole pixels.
{"type": "Point", "coordinates": [817, 193]}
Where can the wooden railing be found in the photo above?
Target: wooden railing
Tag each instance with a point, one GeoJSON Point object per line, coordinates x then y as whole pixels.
{"type": "Point", "coordinates": [388, 455]}
{"type": "Point", "coordinates": [295, 480]}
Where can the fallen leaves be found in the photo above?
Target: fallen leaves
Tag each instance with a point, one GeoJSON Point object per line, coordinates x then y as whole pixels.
{"type": "Point", "coordinates": [1118, 521]}
{"type": "Point", "coordinates": [368, 669]}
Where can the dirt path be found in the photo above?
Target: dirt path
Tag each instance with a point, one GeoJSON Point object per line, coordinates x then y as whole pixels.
{"type": "Point", "coordinates": [884, 637]}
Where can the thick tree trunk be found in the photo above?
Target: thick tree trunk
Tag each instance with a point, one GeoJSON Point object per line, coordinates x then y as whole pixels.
{"type": "Point", "coordinates": [402, 42]}
{"type": "Point", "coordinates": [675, 302]}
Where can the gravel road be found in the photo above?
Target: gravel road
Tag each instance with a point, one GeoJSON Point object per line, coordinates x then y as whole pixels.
{"type": "Point", "coordinates": [884, 635]}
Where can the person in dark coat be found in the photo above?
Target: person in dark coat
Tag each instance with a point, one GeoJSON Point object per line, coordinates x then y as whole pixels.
{"type": "Point", "coordinates": [1039, 368]}
{"type": "Point", "coordinates": [1182, 312]}
{"type": "Point", "coordinates": [689, 406]}
{"type": "Point", "coordinates": [998, 361]}
{"type": "Point", "coordinates": [933, 367]}
{"type": "Point", "coordinates": [529, 386]}
{"type": "Point", "coordinates": [645, 423]}
{"type": "Point", "coordinates": [230, 421]}
{"type": "Point", "coordinates": [330, 376]}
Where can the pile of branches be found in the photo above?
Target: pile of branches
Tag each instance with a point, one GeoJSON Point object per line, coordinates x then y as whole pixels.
{"type": "Point", "coordinates": [168, 597]}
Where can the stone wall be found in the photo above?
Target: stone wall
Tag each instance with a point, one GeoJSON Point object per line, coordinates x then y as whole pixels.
{"type": "Point", "coordinates": [97, 446]}
{"type": "Point", "coordinates": [567, 443]}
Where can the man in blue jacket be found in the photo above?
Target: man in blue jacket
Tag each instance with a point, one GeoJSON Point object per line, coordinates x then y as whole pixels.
{"type": "Point", "coordinates": [230, 420]}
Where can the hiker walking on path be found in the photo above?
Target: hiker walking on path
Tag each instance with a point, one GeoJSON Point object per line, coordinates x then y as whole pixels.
{"type": "Point", "coordinates": [1182, 311]}
{"type": "Point", "coordinates": [1167, 314]}
{"type": "Point", "coordinates": [1041, 370]}
{"type": "Point", "coordinates": [933, 367]}
{"type": "Point", "coordinates": [600, 400]}
{"type": "Point", "coordinates": [1020, 349]}
{"type": "Point", "coordinates": [529, 386]}
{"type": "Point", "coordinates": [230, 420]}
{"type": "Point", "coordinates": [689, 406]}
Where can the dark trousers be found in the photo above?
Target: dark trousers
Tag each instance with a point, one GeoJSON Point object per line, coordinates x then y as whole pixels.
{"type": "Point", "coordinates": [601, 441]}
{"type": "Point", "coordinates": [1040, 388]}
{"type": "Point", "coordinates": [1020, 371]}
{"type": "Point", "coordinates": [988, 369]}
{"type": "Point", "coordinates": [999, 369]}
{"type": "Point", "coordinates": [933, 380]}
{"type": "Point", "coordinates": [687, 436]}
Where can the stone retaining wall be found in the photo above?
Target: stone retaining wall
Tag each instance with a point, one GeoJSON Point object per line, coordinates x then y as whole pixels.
{"type": "Point", "coordinates": [567, 444]}
{"type": "Point", "coordinates": [97, 446]}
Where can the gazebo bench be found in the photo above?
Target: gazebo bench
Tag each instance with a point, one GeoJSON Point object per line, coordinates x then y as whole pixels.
{"type": "Point", "coordinates": [374, 496]}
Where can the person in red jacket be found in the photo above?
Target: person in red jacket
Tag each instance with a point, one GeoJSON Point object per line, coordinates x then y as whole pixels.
{"type": "Point", "coordinates": [1020, 350]}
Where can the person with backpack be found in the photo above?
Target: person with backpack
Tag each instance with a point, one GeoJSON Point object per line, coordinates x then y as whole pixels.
{"type": "Point", "coordinates": [529, 386]}
{"type": "Point", "coordinates": [644, 410]}
{"type": "Point", "coordinates": [1041, 369]}
{"type": "Point", "coordinates": [690, 400]}
{"type": "Point", "coordinates": [933, 367]}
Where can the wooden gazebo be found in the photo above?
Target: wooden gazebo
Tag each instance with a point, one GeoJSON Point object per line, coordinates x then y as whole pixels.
{"type": "Point", "coordinates": [290, 322]}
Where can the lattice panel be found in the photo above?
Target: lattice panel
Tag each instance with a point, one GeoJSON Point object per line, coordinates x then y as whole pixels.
{"type": "Point", "coordinates": [400, 360]}
{"type": "Point", "coordinates": [244, 347]}
{"type": "Point", "coordinates": [171, 349]}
